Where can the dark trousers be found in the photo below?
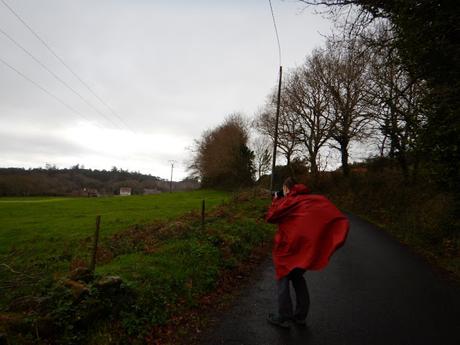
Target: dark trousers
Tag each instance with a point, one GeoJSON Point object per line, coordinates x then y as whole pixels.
{"type": "Point", "coordinates": [285, 309]}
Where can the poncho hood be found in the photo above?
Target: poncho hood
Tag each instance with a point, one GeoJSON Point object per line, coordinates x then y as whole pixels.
{"type": "Point", "coordinates": [299, 189]}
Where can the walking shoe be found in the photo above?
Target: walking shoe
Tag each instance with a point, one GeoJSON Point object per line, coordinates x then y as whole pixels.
{"type": "Point", "coordinates": [278, 321]}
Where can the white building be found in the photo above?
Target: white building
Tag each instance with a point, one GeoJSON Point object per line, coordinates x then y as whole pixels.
{"type": "Point", "coordinates": [125, 191]}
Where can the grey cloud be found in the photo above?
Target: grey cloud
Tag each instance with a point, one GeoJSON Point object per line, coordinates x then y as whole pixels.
{"type": "Point", "coordinates": [39, 143]}
{"type": "Point", "coordinates": [170, 67]}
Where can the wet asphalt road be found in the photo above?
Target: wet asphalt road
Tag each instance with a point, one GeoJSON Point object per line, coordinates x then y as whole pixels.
{"type": "Point", "coordinates": [374, 291]}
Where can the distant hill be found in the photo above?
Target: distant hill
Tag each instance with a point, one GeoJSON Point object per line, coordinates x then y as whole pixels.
{"type": "Point", "coordinates": [79, 181]}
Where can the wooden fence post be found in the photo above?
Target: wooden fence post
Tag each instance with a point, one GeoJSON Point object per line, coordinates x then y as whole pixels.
{"type": "Point", "coordinates": [202, 213]}
{"type": "Point", "coordinates": [92, 265]}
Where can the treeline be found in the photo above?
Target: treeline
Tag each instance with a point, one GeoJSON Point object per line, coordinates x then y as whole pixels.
{"type": "Point", "coordinates": [78, 181]}
{"type": "Point", "coordinates": [353, 92]}
{"type": "Point", "coordinates": [386, 82]}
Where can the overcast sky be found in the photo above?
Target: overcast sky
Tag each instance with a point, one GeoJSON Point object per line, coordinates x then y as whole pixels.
{"type": "Point", "coordinates": [170, 69]}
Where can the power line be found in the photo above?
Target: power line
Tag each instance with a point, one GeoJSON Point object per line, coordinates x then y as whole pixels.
{"type": "Point", "coordinates": [276, 30]}
{"type": "Point", "coordinates": [275, 141]}
{"type": "Point", "coordinates": [57, 77]}
{"type": "Point", "coordinates": [44, 90]}
{"type": "Point", "coordinates": [63, 62]}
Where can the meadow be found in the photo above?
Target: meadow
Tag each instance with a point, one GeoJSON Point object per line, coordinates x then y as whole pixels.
{"type": "Point", "coordinates": [166, 259]}
{"type": "Point", "coordinates": [36, 223]}
{"type": "Point", "coordinates": [41, 236]}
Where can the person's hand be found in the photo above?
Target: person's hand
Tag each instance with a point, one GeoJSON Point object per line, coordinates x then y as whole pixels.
{"type": "Point", "coordinates": [278, 194]}
{"type": "Point", "coordinates": [285, 190]}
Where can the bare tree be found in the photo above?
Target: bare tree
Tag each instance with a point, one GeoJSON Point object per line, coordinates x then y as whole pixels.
{"type": "Point", "coordinates": [344, 74]}
{"type": "Point", "coordinates": [262, 148]}
{"type": "Point", "coordinates": [288, 126]}
{"type": "Point", "coordinates": [396, 100]}
{"type": "Point", "coordinates": [309, 100]}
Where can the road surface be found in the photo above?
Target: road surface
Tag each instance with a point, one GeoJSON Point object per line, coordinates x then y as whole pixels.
{"type": "Point", "coordinates": [374, 291]}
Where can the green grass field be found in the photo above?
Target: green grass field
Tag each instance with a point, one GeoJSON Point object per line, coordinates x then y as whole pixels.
{"type": "Point", "coordinates": [40, 237]}
{"type": "Point", "coordinates": [166, 259]}
{"type": "Point", "coordinates": [31, 224]}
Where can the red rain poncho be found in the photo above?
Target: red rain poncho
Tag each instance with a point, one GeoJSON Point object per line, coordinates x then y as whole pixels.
{"type": "Point", "coordinates": [310, 229]}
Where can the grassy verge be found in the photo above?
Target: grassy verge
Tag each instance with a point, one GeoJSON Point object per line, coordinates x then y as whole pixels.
{"type": "Point", "coordinates": [166, 268]}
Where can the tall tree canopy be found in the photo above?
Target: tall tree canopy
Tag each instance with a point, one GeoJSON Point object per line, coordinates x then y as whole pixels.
{"type": "Point", "coordinates": [309, 103]}
{"type": "Point", "coordinates": [222, 157]}
{"type": "Point", "coordinates": [427, 38]}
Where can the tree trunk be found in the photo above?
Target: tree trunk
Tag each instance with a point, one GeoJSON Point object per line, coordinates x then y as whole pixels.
{"type": "Point", "coordinates": [415, 167]}
{"type": "Point", "coordinates": [288, 159]}
{"type": "Point", "coordinates": [313, 165]}
{"type": "Point", "coordinates": [403, 164]}
{"type": "Point", "coordinates": [344, 152]}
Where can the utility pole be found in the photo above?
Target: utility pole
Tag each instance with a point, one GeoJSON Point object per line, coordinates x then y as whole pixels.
{"type": "Point", "coordinates": [172, 162]}
{"type": "Point", "coordinates": [275, 141]}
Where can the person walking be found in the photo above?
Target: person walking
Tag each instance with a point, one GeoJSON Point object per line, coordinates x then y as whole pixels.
{"type": "Point", "coordinates": [310, 230]}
